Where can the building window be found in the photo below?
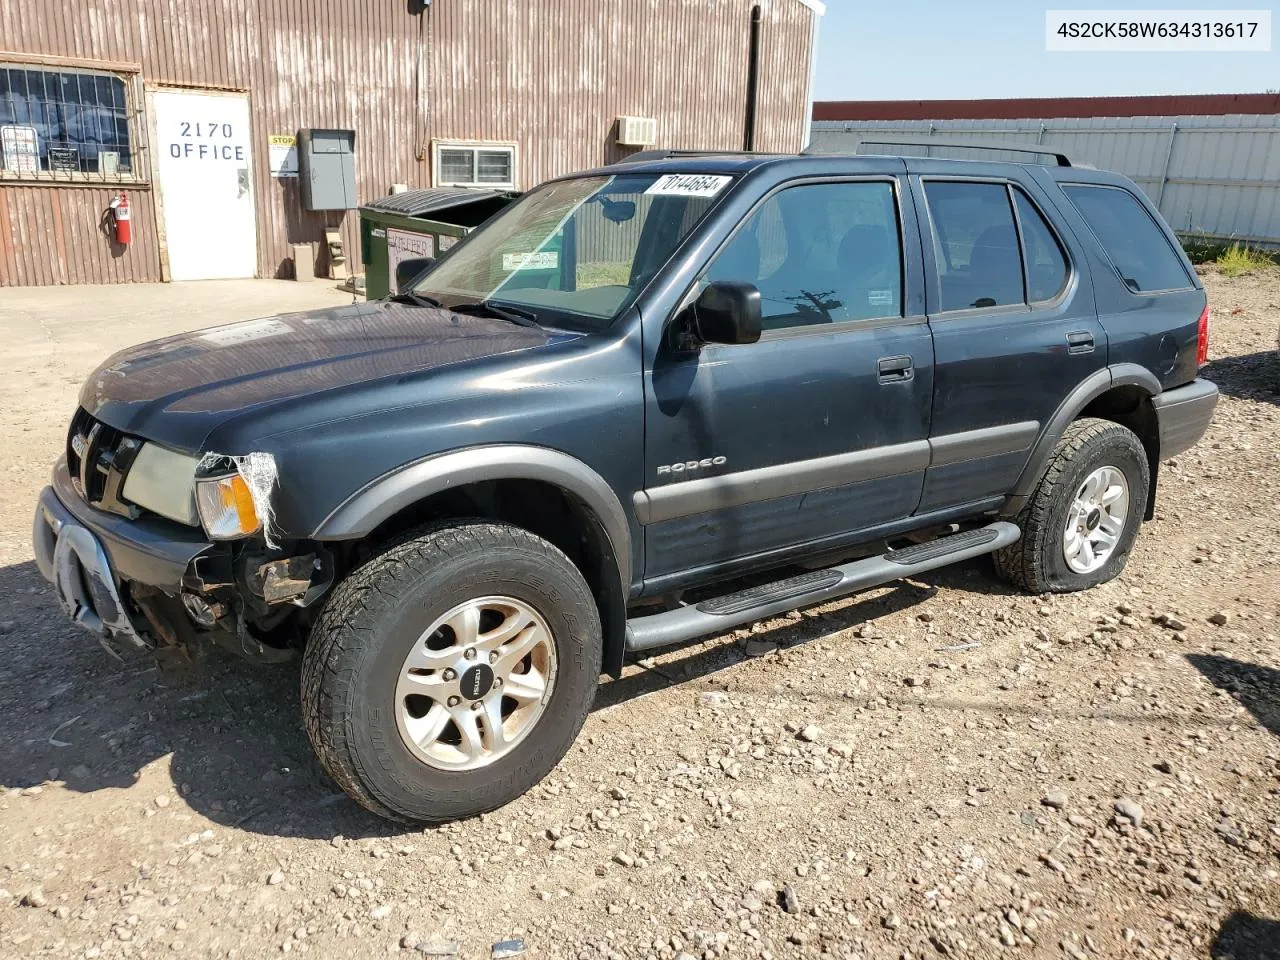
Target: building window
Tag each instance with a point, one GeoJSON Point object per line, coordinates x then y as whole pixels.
{"type": "Point", "coordinates": [475, 165]}
{"type": "Point", "coordinates": [68, 123]}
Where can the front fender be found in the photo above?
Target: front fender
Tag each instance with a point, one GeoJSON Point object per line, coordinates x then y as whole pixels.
{"type": "Point", "coordinates": [363, 511]}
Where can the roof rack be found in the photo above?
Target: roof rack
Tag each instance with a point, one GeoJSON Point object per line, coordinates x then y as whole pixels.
{"type": "Point", "coordinates": [646, 155]}
{"type": "Point", "coordinates": [1062, 159]}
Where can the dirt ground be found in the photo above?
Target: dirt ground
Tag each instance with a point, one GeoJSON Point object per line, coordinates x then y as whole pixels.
{"type": "Point", "coordinates": [942, 768]}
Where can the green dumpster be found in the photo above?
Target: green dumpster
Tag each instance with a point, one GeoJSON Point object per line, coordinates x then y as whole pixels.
{"type": "Point", "coordinates": [419, 223]}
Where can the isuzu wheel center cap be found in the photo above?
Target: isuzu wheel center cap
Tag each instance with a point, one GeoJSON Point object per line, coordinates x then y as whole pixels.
{"type": "Point", "coordinates": [476, 682]}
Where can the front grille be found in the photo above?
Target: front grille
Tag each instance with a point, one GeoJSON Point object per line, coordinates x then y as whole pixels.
{"type": "Point", "coordinates": [98, 457]}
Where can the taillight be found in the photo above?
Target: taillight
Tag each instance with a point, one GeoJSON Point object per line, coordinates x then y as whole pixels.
{"type": "Point", "coordinates": [1202, 339]}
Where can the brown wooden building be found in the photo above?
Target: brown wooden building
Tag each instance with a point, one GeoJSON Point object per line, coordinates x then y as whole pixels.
{"type": "Point", "coordinates": [189, 106]}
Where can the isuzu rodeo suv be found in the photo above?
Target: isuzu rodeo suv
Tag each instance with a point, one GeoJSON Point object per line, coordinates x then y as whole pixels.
{"type": "Point", "coordinates": [578, 433]}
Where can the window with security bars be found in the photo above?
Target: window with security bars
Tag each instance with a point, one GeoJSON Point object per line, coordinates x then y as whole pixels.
{"type": "Point", "coordinates": [475, 165]}
{"type": "Point", "coordinates": [66, 123]}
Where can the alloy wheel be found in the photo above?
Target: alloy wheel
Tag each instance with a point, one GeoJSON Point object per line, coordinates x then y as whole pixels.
{"type": "Point", "coordinates": [475, 683]}
{"type": "Point", "coordinates": [1096, 519]}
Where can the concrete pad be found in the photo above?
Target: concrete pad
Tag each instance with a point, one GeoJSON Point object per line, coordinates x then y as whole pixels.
{"type": "Point", "coordinates": [70, 325]}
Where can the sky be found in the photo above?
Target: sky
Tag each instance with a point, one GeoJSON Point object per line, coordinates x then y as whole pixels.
{"type": "Point", "coordinates": [968, 49]}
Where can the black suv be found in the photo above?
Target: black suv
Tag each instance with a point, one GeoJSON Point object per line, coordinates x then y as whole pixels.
{"type": "Point", "coordinates": [556, 445]}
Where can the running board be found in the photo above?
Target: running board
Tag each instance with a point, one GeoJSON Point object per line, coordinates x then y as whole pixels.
{"type": "Point", "coordinates": [807, 589]}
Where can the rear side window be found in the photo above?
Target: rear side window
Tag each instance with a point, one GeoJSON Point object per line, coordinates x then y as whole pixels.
{"type": "Point", "coordinates": [976, 244]}
{"type": "Point", "coordinates": [1136, 245]}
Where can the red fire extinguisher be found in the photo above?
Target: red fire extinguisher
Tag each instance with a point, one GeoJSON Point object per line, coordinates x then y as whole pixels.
{"type": "Point", "coordinates": [120, 217]}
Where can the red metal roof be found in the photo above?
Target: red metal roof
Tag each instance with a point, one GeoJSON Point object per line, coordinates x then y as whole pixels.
{"type": "Point", "coordinates": [1212, 104]}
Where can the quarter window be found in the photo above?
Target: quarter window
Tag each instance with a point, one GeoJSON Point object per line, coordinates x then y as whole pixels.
{"type": "Point", "coordinates": [1046, 263]}
{"type": "Point", "coordinates": [1136, 245]}
{"type": "Point", "coordinates": [820, 253]}
{"type": "Point", "coordinates": [73, 124]}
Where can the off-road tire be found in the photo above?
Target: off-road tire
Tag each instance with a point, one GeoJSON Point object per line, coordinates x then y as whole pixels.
{"type": "Point", "coordinates": [1036, 562]}
{"type": "Point", "coordinates": [368, 625]}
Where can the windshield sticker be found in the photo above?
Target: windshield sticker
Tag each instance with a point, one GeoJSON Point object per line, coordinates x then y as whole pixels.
{"type": "Point", "coordinates": [688, 185]}
{"type": "Point", "coordinates": [880, 298]}
{"type": "Point", "coordinates": [233, 333]}
{"type": "Point", "coordinates": [541, 260]}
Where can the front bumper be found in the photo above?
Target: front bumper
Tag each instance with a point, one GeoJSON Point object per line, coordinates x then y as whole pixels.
{"type": "Point", "coordinates": [89, 556]}
{"type": "Point", "coordinates": [1183, 415]}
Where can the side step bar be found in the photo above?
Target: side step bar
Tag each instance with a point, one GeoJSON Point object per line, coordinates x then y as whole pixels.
{"type": "Point", "coordinates": [807, 589]}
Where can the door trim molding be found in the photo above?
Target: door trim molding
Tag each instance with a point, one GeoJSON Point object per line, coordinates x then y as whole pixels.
{"type": "Point", "coordinates": [686, 498]}
{"type": "Point", "coordinates": [986, 442]}
{"type": "Point", "coordinates": [682, 499]}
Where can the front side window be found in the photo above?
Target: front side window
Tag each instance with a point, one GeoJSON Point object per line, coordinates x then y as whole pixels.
{"type": "Point", "coordinates": [1136, 245]}
{"type": "Point", "coordinates": [819, 253]}
{"type": "Point", "coordinates": [576, 253]}
{"type": "Point", "coordinates": [71, 124]}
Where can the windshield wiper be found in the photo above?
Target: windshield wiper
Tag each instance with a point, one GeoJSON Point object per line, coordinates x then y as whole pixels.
{"type": "Point", "coordinates": [417, 299]}
{"type": "Point", "coordinates": [523, 317]}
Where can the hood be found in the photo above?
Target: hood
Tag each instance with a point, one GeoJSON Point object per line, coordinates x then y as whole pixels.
{"type": "Point", "coordinates": [177, 390]}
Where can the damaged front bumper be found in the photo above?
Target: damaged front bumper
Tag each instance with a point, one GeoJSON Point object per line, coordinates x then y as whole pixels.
{"type": "Point", "coordinates": [87, 554]}
{"type": "Point", "coordinates": [145, 582]}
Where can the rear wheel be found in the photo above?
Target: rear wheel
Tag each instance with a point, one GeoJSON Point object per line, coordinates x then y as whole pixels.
{"type": "Point", "coordinates": [1079, 526]}
{"type": "Point", "coordinates": [451, 673]}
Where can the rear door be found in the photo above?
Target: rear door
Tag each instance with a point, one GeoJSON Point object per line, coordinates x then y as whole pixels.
{"type": "Point", "coordinates": [1014, 327]}
{"type": "Point", "coordinates": [818, 430]}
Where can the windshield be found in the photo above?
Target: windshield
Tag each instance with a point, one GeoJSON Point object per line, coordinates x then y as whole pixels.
{"type": "Point", "coordinates": [575, 253]}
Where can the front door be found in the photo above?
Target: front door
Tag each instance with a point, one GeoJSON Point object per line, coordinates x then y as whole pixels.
{"type": "Point", "coordinates": [818, 430]}
{"type": "Point", "coordinates": [205, 181]}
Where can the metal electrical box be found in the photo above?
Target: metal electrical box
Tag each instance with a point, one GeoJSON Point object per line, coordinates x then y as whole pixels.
{"type": "Point", "coordinates": [327, 169]}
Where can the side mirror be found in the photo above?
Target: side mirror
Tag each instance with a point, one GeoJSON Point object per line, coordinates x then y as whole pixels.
{"type": "Point", "coordinates": [728, 311]}
{"type": "Point", "coordinates": [408, 271]}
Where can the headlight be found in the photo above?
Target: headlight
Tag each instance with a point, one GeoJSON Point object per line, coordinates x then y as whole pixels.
{"type": "Point", "coordinates": [226, 508]}
{"type": "Point", "coordinates": [160, 481]}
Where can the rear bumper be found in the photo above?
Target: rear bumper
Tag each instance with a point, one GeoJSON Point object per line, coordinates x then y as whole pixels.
{"type": "Point", "coordinates": [1183, 415]}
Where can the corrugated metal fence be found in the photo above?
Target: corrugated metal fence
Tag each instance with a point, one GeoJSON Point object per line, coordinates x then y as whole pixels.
{"type": "Point", "coordinates": [1211, 176]}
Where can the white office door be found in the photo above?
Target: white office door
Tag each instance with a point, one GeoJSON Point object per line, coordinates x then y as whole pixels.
{"type": "Point", "coordinates": [205, 178]}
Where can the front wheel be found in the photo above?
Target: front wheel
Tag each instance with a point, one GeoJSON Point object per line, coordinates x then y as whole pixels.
{"type": "Point", "coordinates": [1079, 526]}
{"type": "Point", "coordinates": [450, 674]}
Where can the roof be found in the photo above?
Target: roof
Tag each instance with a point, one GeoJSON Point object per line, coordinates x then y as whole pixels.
{"type": "Point", "coordinates": [1210, 104]}
{"type": "Point", "coordinates": [415, 203]}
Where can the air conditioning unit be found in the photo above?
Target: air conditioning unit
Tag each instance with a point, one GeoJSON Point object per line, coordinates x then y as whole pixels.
{"type": "Point", "coordinates": [637, 131]}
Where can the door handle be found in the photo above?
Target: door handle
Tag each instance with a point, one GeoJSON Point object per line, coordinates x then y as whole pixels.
{"type": "Point", "coordinates": [895, 369]}
{"type": "Point", "coordinates": [1080, 341]}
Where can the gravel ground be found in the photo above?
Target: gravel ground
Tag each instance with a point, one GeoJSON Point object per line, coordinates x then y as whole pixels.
{"type": "Point", "coordinates": [942, 768]}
